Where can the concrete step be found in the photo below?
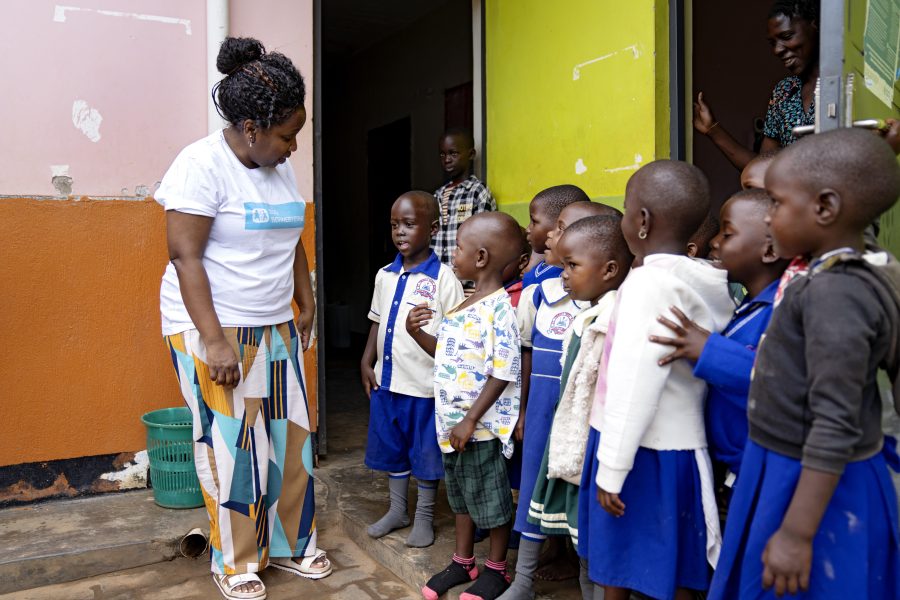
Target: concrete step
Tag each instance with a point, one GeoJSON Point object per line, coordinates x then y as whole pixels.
{"type": "Point", "coordinates": [65, 540]}
{"type": "Point", "coordinates": [362, 498]}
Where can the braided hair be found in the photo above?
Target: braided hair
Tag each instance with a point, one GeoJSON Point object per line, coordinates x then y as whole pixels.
{"type": "Point", "coordinates": [807, 10]}
{"type": "Point", "coordinates": [264, 87]}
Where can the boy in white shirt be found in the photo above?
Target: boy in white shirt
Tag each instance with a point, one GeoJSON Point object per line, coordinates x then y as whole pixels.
{"type": "Point", "coordinates": [401, 438]}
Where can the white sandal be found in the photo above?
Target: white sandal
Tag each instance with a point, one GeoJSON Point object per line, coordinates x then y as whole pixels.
{"type": "Point", "coordinates": [228, 583]}
{"type": "Point", "coordinates": [305, 567]}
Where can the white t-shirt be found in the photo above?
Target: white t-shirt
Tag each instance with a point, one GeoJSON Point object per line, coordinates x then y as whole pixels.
{"type": "Point", "coordinates": [258, 216]}
{"type": "Point", "coordinates": [403, 367]}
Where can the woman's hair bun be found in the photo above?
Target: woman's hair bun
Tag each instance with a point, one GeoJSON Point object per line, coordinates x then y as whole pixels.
{"type": "Point", "coordinates": [236, 52]}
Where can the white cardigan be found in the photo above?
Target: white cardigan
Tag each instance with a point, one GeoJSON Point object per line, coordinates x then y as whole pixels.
{"type": "Point", "coordinates": [643, 404]}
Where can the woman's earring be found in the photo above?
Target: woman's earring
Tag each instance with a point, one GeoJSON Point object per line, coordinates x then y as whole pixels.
{"type": "Point", "coordinates": [642, 234]}
{"type": "Point", "coordinates": [251, 140]}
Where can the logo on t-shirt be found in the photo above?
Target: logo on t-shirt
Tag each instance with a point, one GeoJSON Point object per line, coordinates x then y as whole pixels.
{"type": "Point", "coordinates": [560, 323]}
{"type": "Point", "coordinates": [262, 215]}
{"type": "Point", "coordinates": [426, 288]}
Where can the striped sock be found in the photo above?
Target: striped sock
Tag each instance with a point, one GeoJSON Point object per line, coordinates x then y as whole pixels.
{"type": "Point", "coordinates": [495, 566]}
{"type": "Point", "coordinates": [468, 563]}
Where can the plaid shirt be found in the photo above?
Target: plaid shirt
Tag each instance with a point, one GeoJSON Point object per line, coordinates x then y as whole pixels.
{"type": "Point", "coordinates": [461, 202]}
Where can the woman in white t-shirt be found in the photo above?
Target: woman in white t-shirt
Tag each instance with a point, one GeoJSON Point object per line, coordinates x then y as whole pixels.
{"type": "Point", "coordinates": [234, 218]}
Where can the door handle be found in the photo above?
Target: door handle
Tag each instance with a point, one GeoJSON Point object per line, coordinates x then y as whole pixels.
{"type": "Point", "coordinates": [877, 124]}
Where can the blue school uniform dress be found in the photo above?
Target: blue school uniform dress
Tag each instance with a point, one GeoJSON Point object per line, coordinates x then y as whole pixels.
{"type": "Point", "coordinates": [545, 315]}
{"type": "Point", "coordinates": [402, 436]}
{"type": "Point", "coordinates": [825, 340]}
{"type": "Point", "coordinates": [725, 364]}
{"type": "Point", "coordinates": [541, 272]}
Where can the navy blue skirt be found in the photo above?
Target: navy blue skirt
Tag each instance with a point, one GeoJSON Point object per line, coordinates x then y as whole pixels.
{"type": "Point", "coordinates": [855, 552]}
{"type": "Point", "coordinates": [659, 544]}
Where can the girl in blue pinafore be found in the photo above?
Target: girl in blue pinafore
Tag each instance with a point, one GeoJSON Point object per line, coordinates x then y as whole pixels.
{"type": "Point", "coordinates": [545, 313]}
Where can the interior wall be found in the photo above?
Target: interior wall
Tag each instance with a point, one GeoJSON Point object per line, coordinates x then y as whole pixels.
{"type": "Point", "coordinates": [403, 75]}
{"type": "Point", "coordinates": [734, 67]}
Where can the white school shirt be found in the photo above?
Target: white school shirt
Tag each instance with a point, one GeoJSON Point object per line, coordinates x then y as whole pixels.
{"type": "Point", "coordinates": [258, 216]}
{"type": "Point", "coordinates": [402, 366]}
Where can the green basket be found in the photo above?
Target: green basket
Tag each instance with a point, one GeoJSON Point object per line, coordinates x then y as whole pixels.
{"type": "Point", "coordinates": [170, 446]}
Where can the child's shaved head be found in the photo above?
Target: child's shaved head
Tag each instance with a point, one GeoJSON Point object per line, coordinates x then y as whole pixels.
{"type": "Point", "coordinates": [859, 166]}
{"type": "Point", "coordinates": [758, 199]}
{"type": "Point", "coordinates": [675, 193]}
{"type": "Point", "coordinates": [602, 236]}
{"type": "Point", "coordinates": [586, 208]}
{"type": "Point", "coordinates": [754, 173]}
{"type": "Point", "coordinates": [498, 232]}
{"type": "Point", "coordinates": [553, 199]}
{"type": "Point", "coordinates": [425, 204]}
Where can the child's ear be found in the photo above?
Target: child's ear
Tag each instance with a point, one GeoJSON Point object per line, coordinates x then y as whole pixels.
{"type": "Point", "coordinates": [481, 258]}
{"type": "Point", "coordinates": [435, 225]}
{"type": "Point", "coordinates": [692, 249]}
{"type": "Point", "coordinates": [646, 219]}
{"type": "Point", "coordinates": [610, 270]}
{"type": "Point", "coordinates": [827, 207]}
{"type": "Point", "coordinates": [769, 255]}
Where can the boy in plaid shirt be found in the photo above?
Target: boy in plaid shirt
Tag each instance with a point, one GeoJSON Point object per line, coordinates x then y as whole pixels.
{"type": "Point", "coordinates": [462, 196]}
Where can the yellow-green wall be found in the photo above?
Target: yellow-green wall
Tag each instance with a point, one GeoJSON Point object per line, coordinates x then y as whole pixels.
{"type": "Point", "coordinates": [576, 92]}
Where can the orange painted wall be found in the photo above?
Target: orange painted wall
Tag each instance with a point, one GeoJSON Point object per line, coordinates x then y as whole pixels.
{"type": "Point", "coordinates": [82, 355]}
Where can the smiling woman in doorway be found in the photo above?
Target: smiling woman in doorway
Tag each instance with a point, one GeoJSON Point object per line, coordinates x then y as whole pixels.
{"type": "Point", "coordinates": [793, 33]}
{"type": "Point", "coordinates": [234, 218]}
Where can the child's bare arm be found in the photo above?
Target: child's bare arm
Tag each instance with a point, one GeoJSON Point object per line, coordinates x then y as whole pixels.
{"type": "Point", "coordinates": [519, 431]}
{"type": "Point", "coordinates": [368, 359]}
{"type": "Point", "coordinates": [788, 554]}
{"type": "Point", "coordinates": [460, 434]}
{"type": "Point", "coordinates": [418, 318]}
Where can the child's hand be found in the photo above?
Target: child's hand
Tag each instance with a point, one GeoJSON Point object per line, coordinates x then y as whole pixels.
{"type": "Point", "coordinates": [460, 435]}
{"type": "Point", "coordinates": [786, 563]}
{"type": "Point", "coordinates": [418, 317]}
{"type": "Point", "coordinates": [689, 338]}
{"type": "Point", "coordinates": [368, 379]}
{"type": "Point", "coordinates": [519, 431]}
{"type": "Point", "coordinates": [610, 502]}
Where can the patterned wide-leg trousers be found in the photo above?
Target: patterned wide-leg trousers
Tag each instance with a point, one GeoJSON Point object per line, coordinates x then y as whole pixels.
{"type": "Point", "coordinates": [252, 447]}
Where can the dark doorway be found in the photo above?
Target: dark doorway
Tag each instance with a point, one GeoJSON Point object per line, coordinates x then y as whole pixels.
{"type": "Point", "coordinates": [733, 65]}
{"type": "Point", "coordinates": [388, 176]}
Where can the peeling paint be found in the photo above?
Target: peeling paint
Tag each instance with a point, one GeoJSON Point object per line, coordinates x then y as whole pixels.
{"type": "Point", "coordinates": [87, 120]}
{"type": "Point", "coordinates": [132, 475]}
{"type": "Point", "coordinates": [638, 160]}
{"type": "Point", "coordinates": [576, 70]}
{"type": "Point", "coordinates": [59, 15]}
{"type": "Point", "coordinates": [62, 184]}
{"type": "Point", "coordinates": [580, 167]}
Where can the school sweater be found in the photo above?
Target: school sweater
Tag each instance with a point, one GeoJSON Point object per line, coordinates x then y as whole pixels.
{"type": "Point", "coordinates": [637, 402]}
{"type": "Point", "coordinates": [814, 395]}
{"type": "Point", "coordinates": [725, 364]}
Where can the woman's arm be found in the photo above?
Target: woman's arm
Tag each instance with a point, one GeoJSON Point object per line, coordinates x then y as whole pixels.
{"type": "Point", "coordinates": [303, 295]}
{"type": "Point", "coordinates": [186, 236]}
{"type": "Point", "coordinates": [705, 123]}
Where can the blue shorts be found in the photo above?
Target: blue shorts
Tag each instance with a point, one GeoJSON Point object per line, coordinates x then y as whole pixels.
{"type": "Point", "coordinates": [402, 435]}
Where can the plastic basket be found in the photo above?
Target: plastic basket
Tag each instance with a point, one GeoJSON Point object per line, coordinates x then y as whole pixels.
{"type": "Point", "coordinates": [170, 446]}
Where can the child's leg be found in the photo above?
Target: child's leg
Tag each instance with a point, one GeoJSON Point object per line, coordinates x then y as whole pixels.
{"type": "Point", "coordinates": [422, 534]}
{"type": "Point", "coordinates": [396, 516]}
{"type": "Point", "coordinates": [615, 593]}
{"type": "Point", "coordinates": [462, 568]}
{"type": "Point", "coordinates": [522, 587]}
{"type": "Point", "coordinates": [493, 581]}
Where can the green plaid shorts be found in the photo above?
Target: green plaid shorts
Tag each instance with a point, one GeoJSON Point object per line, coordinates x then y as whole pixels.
{"type": "Point", "coordinates": [477, 484]}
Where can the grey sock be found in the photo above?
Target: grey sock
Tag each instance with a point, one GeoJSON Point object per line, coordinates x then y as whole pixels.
{"type": "Point", "coordinates": [588, 589]}
{"type": "Point", "coordinates": [522, 587]}
{"type": "Point", "coordinates": [422, 534]}
{"type": "Point", "coordinates": [396, 516]}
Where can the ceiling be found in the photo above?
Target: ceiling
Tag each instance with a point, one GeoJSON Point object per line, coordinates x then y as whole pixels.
{"type": "Point", "coordinates": [349, 26]}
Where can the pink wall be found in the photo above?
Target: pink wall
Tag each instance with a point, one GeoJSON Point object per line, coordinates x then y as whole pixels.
{"type": "Point", "coordinates": [141, 65]}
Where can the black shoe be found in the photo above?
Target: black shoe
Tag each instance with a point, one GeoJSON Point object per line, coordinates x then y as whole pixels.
{"type": "Point", "coordinates": [452, 576]}
{"type": "Point", "coordinates": [488, 586]}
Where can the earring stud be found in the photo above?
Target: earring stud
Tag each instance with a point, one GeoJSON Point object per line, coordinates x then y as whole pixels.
{"type": "Point", "coordinates": [642, 234]}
